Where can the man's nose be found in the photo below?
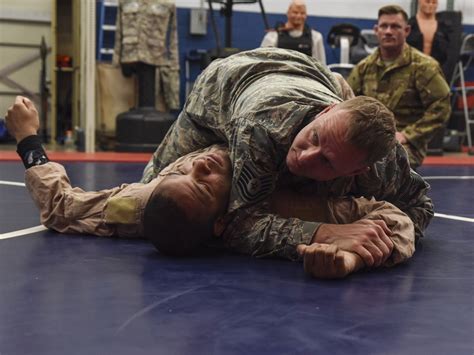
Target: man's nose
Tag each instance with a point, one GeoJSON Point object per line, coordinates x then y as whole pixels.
{"type": "Point", "coordinates": [309, 155]}
{"type": "Point", "coordinates": [201, 167]}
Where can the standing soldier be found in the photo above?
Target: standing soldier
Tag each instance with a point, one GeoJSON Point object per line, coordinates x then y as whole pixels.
{"type": "Point", "coordinates": [410, 83]}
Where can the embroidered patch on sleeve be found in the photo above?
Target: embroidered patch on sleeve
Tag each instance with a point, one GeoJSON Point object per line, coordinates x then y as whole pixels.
{"type": "Point", "coordinates": [121, 210]}
{"type": "Point", "coordinates": [252, 187]}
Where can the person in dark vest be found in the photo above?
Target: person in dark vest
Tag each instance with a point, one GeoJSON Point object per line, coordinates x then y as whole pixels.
{"type": "Point", "coordinates": [296, 34]}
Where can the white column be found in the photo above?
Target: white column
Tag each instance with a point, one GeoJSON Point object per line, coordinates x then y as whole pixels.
{"type": "Point", "coordinates": [88, 65]}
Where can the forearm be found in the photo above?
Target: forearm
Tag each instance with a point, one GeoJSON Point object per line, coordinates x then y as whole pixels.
{"type": "Point", "coordinates": [394, 181]}
{"type": "Point", "coordinates": [63, 208]}
{"type": "Point", "coordinates": [401, 226]}
{"type": "Point", "coordinates": [420, 214]}
{"type": "Point", "coordinates": [267, 235]}
{"type": "Point", "coordinates": [413, 200]}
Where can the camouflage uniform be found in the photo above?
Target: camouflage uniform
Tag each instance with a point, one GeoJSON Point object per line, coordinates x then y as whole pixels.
{"type": "Point", "coordinates": [256, 102]}
{"type": "Point", "coordinates": [414, 88]}
{"type": "Point", "coordinates": [119, 211]}
{"type": "Point", "coordinates": [147, 32]}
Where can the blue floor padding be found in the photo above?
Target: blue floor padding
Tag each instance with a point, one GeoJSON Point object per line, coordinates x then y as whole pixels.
{"type": "Point", "coordinates": [64, 294]}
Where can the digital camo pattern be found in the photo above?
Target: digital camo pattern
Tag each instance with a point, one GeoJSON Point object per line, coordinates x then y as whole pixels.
{"type": "Point", "coordinates": [167, 87]}
{"type": "Point", "coordinates": [413, 87]}
{"type": "Point", "coordinates": [146, 32]}
{"type": "Point", "coordinates": [255, 102]}
{"type": "Point", "coordinates": [254, 230]}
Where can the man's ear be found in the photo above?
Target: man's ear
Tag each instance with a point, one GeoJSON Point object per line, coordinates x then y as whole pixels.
{"type": "Point", "coordinates": [219, 226]}
{"type": "Point", "coordinates": [407, 30]}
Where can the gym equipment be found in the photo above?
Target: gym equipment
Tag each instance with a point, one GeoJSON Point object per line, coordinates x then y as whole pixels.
{"type": "Point", "coordinates": [343, 36]}
{"type": "Point", "coordinates": [142, 128]}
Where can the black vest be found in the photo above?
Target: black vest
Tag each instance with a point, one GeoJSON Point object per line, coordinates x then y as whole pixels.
{"type": "Point", "coordinates": [303, 43]}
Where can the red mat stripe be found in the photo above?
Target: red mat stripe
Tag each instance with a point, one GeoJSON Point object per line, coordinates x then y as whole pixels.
{"type": "Point", "coordinates": [144, 157]}
{"type": "Point", "coordinates": [87, 157]}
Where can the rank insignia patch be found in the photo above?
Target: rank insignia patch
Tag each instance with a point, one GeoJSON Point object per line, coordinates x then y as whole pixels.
{"type": "Point", "coordinates": [252, 187]}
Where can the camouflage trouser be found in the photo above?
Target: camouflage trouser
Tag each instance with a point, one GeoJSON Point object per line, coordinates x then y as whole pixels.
{"type": "Point", "coordinates": [414, 155]}
{"type": "Point", "coordinates": [167, 86]}
{"type": "Point", "coordinates": [149, 172]}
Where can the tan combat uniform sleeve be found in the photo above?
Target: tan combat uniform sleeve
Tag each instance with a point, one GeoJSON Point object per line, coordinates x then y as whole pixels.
{"type": "Point", "coordinates": [348, 210]}
{"type": "Point", "coordinates": [111, 212]}
{"type": "Point", "coordinates": [392, 180]}
{"type": "Point", "coordinates": [64, 208]}
{"type": "Point", "coordinates": [345, 210]}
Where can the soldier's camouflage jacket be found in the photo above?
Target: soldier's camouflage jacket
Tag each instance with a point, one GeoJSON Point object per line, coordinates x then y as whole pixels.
{"type": "Point", "coordinates": [256, 102]}
{"type": "Point", "coordinates": [146, 32]}
{"type": "Point", "coordinates": [413, 87]}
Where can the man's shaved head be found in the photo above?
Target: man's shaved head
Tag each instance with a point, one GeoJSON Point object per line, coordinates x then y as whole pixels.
{"type": "Point", "coordinates": [297, 3]}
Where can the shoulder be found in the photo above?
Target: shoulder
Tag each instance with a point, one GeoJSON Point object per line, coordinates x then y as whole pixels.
{"type": "Point", "coordinates": [423, 63]}
{"type": "Point", "coordinates": [367, 62]}
{"type": "Point", "coordinates": [316, 35]}
{"type": "Point", "coordinates": [420, 57]}
{"type": "Point", "coordinates": [272, 34]}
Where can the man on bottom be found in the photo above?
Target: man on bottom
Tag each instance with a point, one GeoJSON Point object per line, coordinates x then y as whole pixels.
{"type": "Point", "coordinates": [197, 188]}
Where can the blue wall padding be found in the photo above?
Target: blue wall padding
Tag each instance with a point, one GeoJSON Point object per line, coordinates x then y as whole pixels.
{"type": "Point", "coordinates": [247, 32]}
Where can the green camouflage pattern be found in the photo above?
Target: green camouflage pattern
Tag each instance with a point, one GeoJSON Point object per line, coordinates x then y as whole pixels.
{"type": "Point", "coordinates": [413, 87]}
{"type": "Point", "coordinates": [256, 102]}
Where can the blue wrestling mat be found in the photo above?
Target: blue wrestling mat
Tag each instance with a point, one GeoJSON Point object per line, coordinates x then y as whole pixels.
{"type": "Point", "coordinates": [63, 294]}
